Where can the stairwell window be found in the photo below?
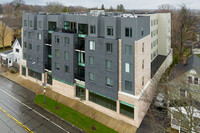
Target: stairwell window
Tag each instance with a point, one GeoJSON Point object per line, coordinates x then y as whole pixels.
{"type": "Point", "coordinates": [57, 67]}
{"type": "Point", "coordinates": [128, 32]}
{"type": "Point", "coordinates": [91, 77]}
{"type": "Point", "coordinates": [109, 82]}
{"type": "Point", "coordinates": [110, 30]}
{"type": "Point", "coordinates": [128, 67]}
{"type": "Point", "coordinates": [92, 45]}
{"type": "Point", "coordinates": [92, 29]}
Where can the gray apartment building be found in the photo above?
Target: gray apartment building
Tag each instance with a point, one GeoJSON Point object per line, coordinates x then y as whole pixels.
{"type": "Point", "coordinates": [101, 59]}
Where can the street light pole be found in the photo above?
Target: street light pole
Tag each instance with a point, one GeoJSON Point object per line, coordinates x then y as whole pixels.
{"type": "Point", "coordinates": [44, 94]}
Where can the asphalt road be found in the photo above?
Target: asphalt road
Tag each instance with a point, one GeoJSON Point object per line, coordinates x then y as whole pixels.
{"type": "Point", "coordinates": [19, 114]}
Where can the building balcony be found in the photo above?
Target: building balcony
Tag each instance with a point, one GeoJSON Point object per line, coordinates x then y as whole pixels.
{"type": "Point", "coordinates": [79, 77]}
{"type": "Point", "coordinates": [48, 67]}
{"type": "Point", "coordinates": [80, 47]}
{"type": "Point", "coordinates": [66, 30]}
{"type": "Point", "coordinates": [48, 42]}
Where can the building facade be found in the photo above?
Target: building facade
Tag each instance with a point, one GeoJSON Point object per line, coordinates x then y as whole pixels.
{"type": "Point", "coordinates": [102, 59]}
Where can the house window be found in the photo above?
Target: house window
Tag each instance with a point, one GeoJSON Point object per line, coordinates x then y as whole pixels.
{"type": "Point", "coordinates": [142, 47]}
{"type": "Point", "coordinates": [142, 64]}
{"type": "Point", "coordinates": [91, 76]}
{"type": "Point", "coordinates": [128, 32]}
{"type": "Point", "coordinates": [57, 67]}
{"type": "Point", "coordinates": [128, 49]}
{"type": "Point", "coordinates": [66, 55]}
{"type": "Point", "coordinates": [189, 79]}
{"type": "Point", "coordinates": [57, 53]}
{"type": "Point", "coordinates": [92, 45]}
{"type": "Point", "coordinates": [109, 82]}
{"type": "Point", "coordinates": [29, 58]}
{"type": "Point", "coordinates": [39, 36]}
{"type": "Point", "coordinates": [108, 65]}
{"type": "Point", "coordinates": [57, 39]}
{"type": "Point", "coordinates": [183, 93]}
{"type": "Point", "coordinates": [127, 67]}
{"type": "Point", "coordinates": [31, 23]}
{"type": "Point", "coordinates": [67, 69]}
{"type": "Point", "coordinates": [91, 60]}
{"type": "Point", "coordinates": [128, 85]}
{"type": "Point", "coordinates": [109, 47]}
{"type": "Point", "coordinates": [25, 22]}
{"type": "Point", "coordinates": [17, 50]}
{"type": "Point", "coordinates": [40, 24]}
{"type": "Point", "coordinates": [38, 48]}
{"type": "Point", "coordinates": [110, 30]}
{"type": "Point", "coordinates": [29, 46]}
{"type": "Point", "coordinates": [143, 81]}
{"type": "Point", "coordinates": [92, 29]}
{"type": "Point", "coordinates": [196, 80]}
{"type": "Point", "coordinates": [66, 41]}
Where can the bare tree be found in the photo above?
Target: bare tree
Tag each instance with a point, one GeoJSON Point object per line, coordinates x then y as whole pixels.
{"type": "Point", "coordinates": [4, 30]}
{"type": "Point", "coordinates": [54, 7]}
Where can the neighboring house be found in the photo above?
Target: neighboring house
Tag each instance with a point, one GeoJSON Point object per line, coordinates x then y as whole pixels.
{"type": "Point", "coordinates": [185, 93]}
{"type": "Point", "coordinates": [103, 59]}
{"type": "Point", "coordinates": [10, 56]}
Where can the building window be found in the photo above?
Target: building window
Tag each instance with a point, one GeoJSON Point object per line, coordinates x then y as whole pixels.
{"type": "Point", "coordinates": [109, 82]}
{"type": "Point", "coordinates": [66, 41]}
{"type": "Point", "coordinates": [29, 57]}
{"type": "Point", "coordinates": [182, 93]}
{"type": "Point", "coordinates": [142, 31]}
{"type": "Point", "coordinates": [142, 64]}
{"type": "Point", "coordinates": [39, 36]}
{"type": "Point", "coordinates": [91, 76]}
{"type": "Point", "coordinates": [110, 31]}
{"type": "Point", "coordinates": [109, 47]}
{"type": "Point", "coordinates": [24, 56]}
{"type": "Point", "coordinates": [126, 109]}
{"type": "Point", "coordinates": [66, 55]}
{"type": "Point", "coordinates": [128, 32]}
{"type": "Point", "coordinates": [38, 61]}
{"type": "Point", "coordinates": [108, 65]}
{"type": "Point", "coordinates": [29, 35]}
{"type": "Point", "coordinates": [189, 79]}
{"type": "Point", "coordinates": [17, 50]}
{"type": "Point", "coordinates": [25, 32]}
{"type": "Point", "coordinates": [67, 69]}
{"type": "Point", "coordinates": [142, 47]}
{"type": "Point", "coordinates": [38, 48]}
{"type": "Point", "coordinates": [128, 49]}
{"type": "Point", "coordinates": [128, 85]}
{"type": "Point", "coordinates": [31, 23]}
{"type": "Point", "coordinates": [127, 67]}
{"type": "Point", "coordinates": [25, 22]}
{"type": "Point", "coordinates": [91, 60]}
{"type": "Point", "coordinates": [57, 67]}
{"type": "Point", "coordinates": [40, 24]}
{"type": "Point", "coordinates": [34, 74]}
{"type": "Point", "coordinates": [57, 53]}
{"type": "Point", "coordinates": [57, 39]}
{"type": "Point", "coordinates": [23, 71]}
{"type": "Point", "coordinates": [143, 81]}
{"type": "Point", "coordinates": [196, 80]}
{"type": "Point", "coordinates": [29, 46]}
{"type": "Point", "coordinates": [92, 29]}
{"type": "Point", "coordinates": [92, 45]}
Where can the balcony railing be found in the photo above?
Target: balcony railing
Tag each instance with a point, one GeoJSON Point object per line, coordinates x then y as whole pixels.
{"type": "Point", "coordinates": [48, 67]}
{"type": "Point", "coordinates": [80, 47]}
{"type": "Point", "coordinates": [48, 41]}
{"type": "Point", "coordinates": [79, 77]}
{"type": "Point", "coordinates": [66, 31]}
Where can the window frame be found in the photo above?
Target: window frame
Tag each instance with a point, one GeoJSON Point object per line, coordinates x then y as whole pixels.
{"type": "Point", "coordinates": [110, 46]}
{"type": "Point", "coordinates": [109, 30]}
{"type": "Point", "coordinates": [128, 32]}
{"type": "Point", "coordinates": [92, 45]}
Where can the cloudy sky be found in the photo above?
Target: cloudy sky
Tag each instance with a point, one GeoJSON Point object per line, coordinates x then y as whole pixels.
{"type": "Point", "coordinates": [129, 4]}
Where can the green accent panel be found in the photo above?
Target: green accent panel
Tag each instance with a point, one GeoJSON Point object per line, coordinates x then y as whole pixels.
{"type": "Point", "coordinates": [80, 85]}
{"type": "Point", "coordinates": [81, 64]}
{"type": "Point", "coordinates": [50, 31]}
{"type": "Point", "coordinates": [130, 105]}
{"type": "Point", "coordinates": [49, 73]}
{"type": "Point", "coordinates": [63, 81]}
{"type": "Point", "coordinates": [103, 95]}
{"type": "Point", "coordinates": [50, 56]}
{"type": "Point", "coordinates": [23, 66]}
{"type": "Point", "coordinates": [81, 35]}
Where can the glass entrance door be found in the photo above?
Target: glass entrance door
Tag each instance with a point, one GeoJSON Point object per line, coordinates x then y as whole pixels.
{"type": "Point", "coordinates": [80, 92]}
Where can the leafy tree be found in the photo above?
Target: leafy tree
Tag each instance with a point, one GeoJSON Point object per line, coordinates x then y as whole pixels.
{"type": "Point", "coordinates": [54, 7]}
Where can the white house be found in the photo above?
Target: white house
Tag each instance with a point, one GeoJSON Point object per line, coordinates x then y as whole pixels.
{"type": "Point", "coordinates": [14, 55]}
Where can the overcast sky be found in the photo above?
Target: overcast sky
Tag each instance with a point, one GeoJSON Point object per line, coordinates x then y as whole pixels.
{"type": "Point", "coordinates": [128, 4]}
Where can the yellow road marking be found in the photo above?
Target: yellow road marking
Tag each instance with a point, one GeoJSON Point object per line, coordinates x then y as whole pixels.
{"type": "Point", "coordinates": [16, 121]}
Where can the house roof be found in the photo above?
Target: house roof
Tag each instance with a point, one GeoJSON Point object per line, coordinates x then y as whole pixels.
{"type": "Point", "coordinates": [193, 62]}
{"type": "Point", "coordinates": [12, 22]}
{"type": "Point", "coordinates": [7, 51]}
{"type": "Point", "coordinates": [19, 40]}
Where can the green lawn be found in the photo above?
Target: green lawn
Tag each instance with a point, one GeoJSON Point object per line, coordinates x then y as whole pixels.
{"type": "Point", "coordinates": [72, 116]}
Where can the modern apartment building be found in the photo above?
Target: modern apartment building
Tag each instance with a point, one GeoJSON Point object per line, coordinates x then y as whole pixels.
{"type": "Point", "coordinates": [102, 59]}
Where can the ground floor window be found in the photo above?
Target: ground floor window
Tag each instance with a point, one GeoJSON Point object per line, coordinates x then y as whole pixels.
{"type": "Point", "coordinates": [3, 62]}
{"type": "Point", "coordinates": [34, 74]}
{"type": "Point", "coordinates": [49, 79]}
{"type": "Point", "coordinates": [24, 71]}
{"type": "Point", "coordinates": [126, 109]}
{"type": "Point", "coordinates": [103, 101]}
{"type": "Point", "coordinates": [80, 92]}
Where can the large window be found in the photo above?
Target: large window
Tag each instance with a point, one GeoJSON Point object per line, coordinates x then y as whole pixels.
{"type": "Point", "coordinates": [92, 29]}
{"type": "Point", "coordinates": [39, 36]}
{"type": "Point", "coordinates": [66, 69]}
{"type": "Point", "coordinates": [108, 65]}
{"type": "Point", "coordinates": [34, 74]}
{"type": "Point", "coordinates": [103, 101]}
{"type": "Point", "coordinates": [110, 31]}
{"type": "Point", "coordinates": [128, 32]}
{"type": "Point", "coordinates": [92, 45]}
{"type": "Point", "coordinates": [57, 67]}
{"type": "Point", "coordinates": [91, 60]}
{"type": "Point", "coordinates": [128, 85]}
{"type": "Point", "coordinates": [66, 41]}
{"type": "Point", "coordinates": [91, 76]}
{"type": "Point", "coordinates": [128, 67]}
{"type": "Point", "coordinates": [66, 55]}
{"type": "Point", "coordinates": [57, 53]}
{"type": "Point", "coordinates": [109, 82]}
{"type": "Point", "coordinates": [127, 109]}
{"type": "Point", "coordinates": [109, 47]}
{"type": "Point", "coordinates": [128, 49]}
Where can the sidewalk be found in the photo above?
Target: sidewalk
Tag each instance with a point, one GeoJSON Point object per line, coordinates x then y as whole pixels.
{"type": "Point", "coordinates": [115, 124]}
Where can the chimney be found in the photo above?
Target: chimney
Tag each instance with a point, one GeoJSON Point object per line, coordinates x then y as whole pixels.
{"type": "Point", "coordinates": [184, 60]}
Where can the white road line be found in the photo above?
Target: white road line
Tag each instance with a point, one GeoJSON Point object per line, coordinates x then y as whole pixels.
{"type": "Point", "coordinates": [34, 110]}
